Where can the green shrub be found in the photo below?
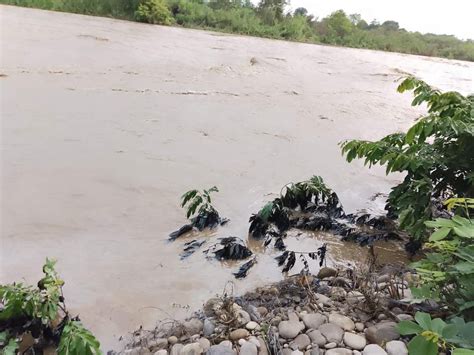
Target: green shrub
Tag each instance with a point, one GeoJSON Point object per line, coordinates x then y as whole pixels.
{"type": "Point", "coordinates": [435, 153]}
{"type": "Point", "coordinates": [155, 12]}
{"type": "Point", "coordinates": [36, 311]}
{"type": "Point", "coordinates": [432, 335]}
{"type": "Point", "coordinates": [447, 271]}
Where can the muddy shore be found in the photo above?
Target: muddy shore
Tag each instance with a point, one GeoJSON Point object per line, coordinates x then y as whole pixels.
{"type": "Point", "coordinates": [105, 123]}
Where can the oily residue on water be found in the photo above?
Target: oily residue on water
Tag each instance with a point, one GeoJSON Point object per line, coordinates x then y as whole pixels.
{"type": "Point", "coordinates": [93, 176]}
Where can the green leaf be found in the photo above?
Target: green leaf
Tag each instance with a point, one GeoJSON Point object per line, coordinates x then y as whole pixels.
{"type": "Point", "coordinates": [420, 346]}
{"type": "Point", "coordinates": [464, 231]}
{"type": "Point", "coordinates": [424, 320]}
{"type": "Point", "coordinates": [438, 325]}
{"type": "Point", "coordinates": [465, 267]}
{"type": "Point", "coordinates": [11, 348]}
{"type": "Point", "coordinates": [449, 331]}
{"type": "Point", "coordinates": [440, 234]}
{"type": "Point", "coordinates": [459, 351]}
{"type": "Point", "coordinates": [440, 222]}
{"type": "Point", "coordinates": [407, 327]}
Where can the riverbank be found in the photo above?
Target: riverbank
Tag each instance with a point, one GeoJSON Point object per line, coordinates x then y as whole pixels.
{"type": "Point", "coordinates": [339, 312]}
{"type": "Point", "coordinates": [245, 18]}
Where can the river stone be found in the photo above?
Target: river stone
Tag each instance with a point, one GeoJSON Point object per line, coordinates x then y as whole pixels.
{"type": "Point", "coordinates": [172, 340]}
{"type": "Point", "coordinates": [208, 327]}
{"type": "Point", "coordinates": [296, 352]}
{"type": "Point", "coordinates": [383, 278]}
{"type": "Point", "coordinates": [382, 333]}
{"type": "Point", "coordinates": [227, 343]}
{"type": "Point", "coordinates": [331, 345]}
{"type": "Point", "coordinates": [252, 325]}
{"type": "Point", "coordinates": [373, 349]}
{"type": "Point", "coordinates": [205, 343]}
{"type": "Point", "coordinates": [220, 350]}
{"type": "Point", "coordinates": [339, 351]}
{"type": "Point", "coordinates": [300, 342]}
{"type": "Point", "coordinates": [314, 320]}
{"type": "Point", "coordinates": [403, 316]}
{"type": "Point", "coordinates": [354, 341]}
{"type": "Point", "coordinates": [262, 349]}
{"type": "Point", "coordinates": [242, 316]}
{"type": "Point", "coordinates": [262, 311]}
{"type": "Point", "coordinates": [158, 344]}
{"type": "Point", "coordinates": [238, 334]}
{"type": "Point", "coordinates": [161, 352]}
{"type": "Point", "coordinates": [248, 348]}
{"type": "Point", "coordinates": [136, 351]}
{"type": "Point", "coordinates": [325, 300]}
{"type": "Point", "coordinates": [332, 332]}
{"type": "Point", "coordinates": [326, 272]}
{"type": "Point", "coordinates": [286, 351]}
{"type": "Point", "coordinates": [254, 340]}
{"type": "Point", "coordinates": [344, 322]}
{"type": "Point", "coordinates": [396, 347]}
{"type": "Point", "coordinates": [293, 316]}
{"type": "Point", "coordinates": [317, 338]}
{"type": "Point", "coordinates": [289, 329]}
{"type": "Point", "coordinates": [313, 351]}
{"type": "Point", "coordinates": [176, 349]}
{"type": "Point", "coordinates": [193, 326]}
{"type": "Point", "coordinates": [192, 349]}
{"type": "Point", "coordinates": [360, 326]}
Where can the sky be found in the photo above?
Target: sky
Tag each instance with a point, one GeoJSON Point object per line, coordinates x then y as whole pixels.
{"type": "Point", "coordinates": [435, 16]}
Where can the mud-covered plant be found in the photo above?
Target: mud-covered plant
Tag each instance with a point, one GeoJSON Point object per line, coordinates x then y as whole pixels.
{"type": "Point", "coordinates": [313, 191]}
{"type": "Point", "coordinates": [41, 312]}
{"type": "Point", "coordinates": [436, 154]}
{"type": "Point", "coordinates": [199, 209]}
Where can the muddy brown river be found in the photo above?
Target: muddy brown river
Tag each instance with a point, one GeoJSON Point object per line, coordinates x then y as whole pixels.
{"type": "Point", "coordinates": [106, 123]}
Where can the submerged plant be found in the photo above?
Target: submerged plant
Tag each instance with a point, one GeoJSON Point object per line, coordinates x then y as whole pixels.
{"type": "Point", "coordinates": [200, 211]}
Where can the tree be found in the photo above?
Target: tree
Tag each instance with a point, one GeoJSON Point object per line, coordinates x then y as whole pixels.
{"type": "Point", "coordinates": [274, 7]}
{"type": "Point", "coordinates": [436, 154]}
{"type": "Point", "coordinates": [300, 11]}
{"type": "Point", "coordinates": [391, 25]}
{"type": "Point", "coordinates": [338, 26]}
{"type": "Point", "coordinates": [355, 18]}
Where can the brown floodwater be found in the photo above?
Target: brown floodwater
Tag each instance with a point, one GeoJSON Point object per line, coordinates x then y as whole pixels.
{"type": "Point", "coordinates": [105, 123]}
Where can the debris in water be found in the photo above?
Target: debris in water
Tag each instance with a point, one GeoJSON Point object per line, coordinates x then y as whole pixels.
{"type": "Point", "coordinates": [244, 269]}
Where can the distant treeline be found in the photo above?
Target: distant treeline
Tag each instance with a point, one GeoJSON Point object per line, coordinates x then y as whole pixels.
{"type": "Point", "coordinates": [269, 19]}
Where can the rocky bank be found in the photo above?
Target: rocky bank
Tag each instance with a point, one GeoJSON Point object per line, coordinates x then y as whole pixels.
{"type": "Point", "coordinates": [335, 313]}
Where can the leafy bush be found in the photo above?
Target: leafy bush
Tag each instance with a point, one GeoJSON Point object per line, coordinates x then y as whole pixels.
{"type": "Point", "coordinates": [155, 12]}
{"type": "Point", "coordinates": [435, 154]}
{"type": "Point", "coordinates": [447, 271]}
{"type": "Point", "coordinates": [433, 334]}
{"type": "Point", "coordinates": [26, 309]}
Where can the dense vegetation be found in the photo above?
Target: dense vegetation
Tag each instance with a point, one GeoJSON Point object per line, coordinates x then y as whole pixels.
{"type": "Point", "coordinates": [268, 19]}
{"type": "Point", "coordinates": [436, 154]}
